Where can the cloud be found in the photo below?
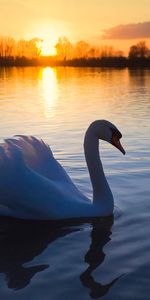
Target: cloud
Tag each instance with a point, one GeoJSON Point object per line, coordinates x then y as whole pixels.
{"type": "Point", "coordinates": [128, 31]}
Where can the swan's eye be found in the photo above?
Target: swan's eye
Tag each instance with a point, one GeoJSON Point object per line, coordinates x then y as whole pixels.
{"type": "Point", "coordinates": [116, 133]}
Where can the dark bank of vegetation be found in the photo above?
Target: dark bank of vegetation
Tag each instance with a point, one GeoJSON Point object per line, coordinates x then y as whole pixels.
{"type": "Point", "coordinates": [81, 54]}
{"type": "Point", "coordinates": [114, 62]}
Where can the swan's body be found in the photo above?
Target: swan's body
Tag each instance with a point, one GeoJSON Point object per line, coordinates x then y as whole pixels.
{"type": "Point", "coordinates": [33, 185]}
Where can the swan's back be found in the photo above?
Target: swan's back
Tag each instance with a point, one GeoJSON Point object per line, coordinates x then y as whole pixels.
{"type": "Point", "coordinates": [33, 184]}
{"type": "Point", "coordinates": [37, 155]}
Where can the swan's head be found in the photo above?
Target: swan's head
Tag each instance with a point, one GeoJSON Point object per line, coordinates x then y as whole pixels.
{"type": "Point", "coordinates": [108, 132]}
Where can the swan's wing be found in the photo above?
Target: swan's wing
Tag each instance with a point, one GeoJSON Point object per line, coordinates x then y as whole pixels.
{"type": "Point", "coordinates": [39, 157]}
{"type": "Point", "coordinates": [23, 192]}
{"type": "Point", "coordinates": [26, 194]}
{"type": "Point", "coordinates": [10, 157]}
{"type": "Point", "coordinates": [11, 167]}
{"type": "Point", "coordinates": [35, 151]}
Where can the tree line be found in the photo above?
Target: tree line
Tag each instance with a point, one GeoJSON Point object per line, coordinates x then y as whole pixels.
{"type": "Point", "coordinates": [22, 48]}
{"type": "Point", "coordinates": [29, 52]}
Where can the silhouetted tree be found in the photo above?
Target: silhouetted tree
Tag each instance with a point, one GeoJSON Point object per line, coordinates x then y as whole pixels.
{"type": "Point", "coordinates": [140, 50]}
{"type": "Point", "coordinates": [107, 51]}
{"type": "Point", "coordinates": [28, 49]}
{"type": "Point", "coordinates": [33, 49]}
{"type": "Point", "coordinates": [7, 47]}
{"type": "Point", "coordinates": [93, 52]}
{"type": "Point", "coordinates": [81, 49]}
{"type": "Point", "coordinates": [21, 48]}
{"type": "Point", "coordinates": [64, 48]}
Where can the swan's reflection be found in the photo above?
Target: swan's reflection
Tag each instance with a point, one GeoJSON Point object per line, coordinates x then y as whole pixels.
{"type": "Point", "coordinates": [100, 236]}
{"type": "Point", "coordinates": [21, 241]}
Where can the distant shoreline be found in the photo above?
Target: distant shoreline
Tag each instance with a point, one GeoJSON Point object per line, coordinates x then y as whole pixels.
{"type": "Point", "coordinates": [111, 62]}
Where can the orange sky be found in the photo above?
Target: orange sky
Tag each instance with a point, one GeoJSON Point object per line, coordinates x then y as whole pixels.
{"type": "Point", "coordinates": [76, 19]}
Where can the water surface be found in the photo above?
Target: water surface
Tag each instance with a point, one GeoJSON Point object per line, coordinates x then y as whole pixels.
{"type": "Point", "coordinates": [106, 259]}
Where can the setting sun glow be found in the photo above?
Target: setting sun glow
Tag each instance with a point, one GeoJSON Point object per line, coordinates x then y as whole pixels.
{"type": "Point", "coordinates": [46, 47]}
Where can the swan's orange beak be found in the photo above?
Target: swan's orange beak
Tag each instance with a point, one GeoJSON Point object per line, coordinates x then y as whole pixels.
{"type": "Point", "coordinates": [116, 142]}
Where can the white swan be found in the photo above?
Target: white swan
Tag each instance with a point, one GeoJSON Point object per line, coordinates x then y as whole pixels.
{"type": "Point", "coordinates": [33, 185]}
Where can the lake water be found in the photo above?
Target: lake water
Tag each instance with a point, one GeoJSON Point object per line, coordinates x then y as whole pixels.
{"type": "Point", "coordinates": [108, 259]}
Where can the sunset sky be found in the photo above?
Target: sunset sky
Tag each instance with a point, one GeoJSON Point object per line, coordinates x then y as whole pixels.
{"type": "Point", "coordinates": [109, 22]}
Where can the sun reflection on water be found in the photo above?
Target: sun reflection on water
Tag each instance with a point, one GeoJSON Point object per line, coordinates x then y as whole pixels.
{"type": "Point", "coordinates": [48, 80]}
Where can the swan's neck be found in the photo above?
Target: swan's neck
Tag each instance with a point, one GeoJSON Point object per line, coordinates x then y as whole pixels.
{"type": "Point", "coordinates": [101, 190]}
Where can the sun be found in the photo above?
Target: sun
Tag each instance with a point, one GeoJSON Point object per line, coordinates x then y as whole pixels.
{"type": "Point", "coordinates": [47, 32]}
{"type": "Point", "coordinates": [46, 47]}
